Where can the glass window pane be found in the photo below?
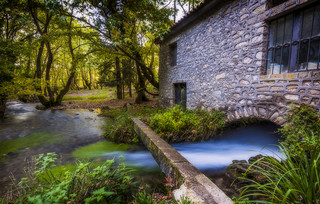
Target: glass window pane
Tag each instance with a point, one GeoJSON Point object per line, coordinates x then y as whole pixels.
{"type": "Point", "coordinates": [316, 22]}
{"type": "Point", "coordinates": [285, 59]}
{"type": "Point", "coordinates": [303, 55]}
{"type": "Point", "coordinates": [272, 36]}
{"type": "Point", "coordinates": [293, 57]}
{"type": "Point", "coordinates": [280, 30]}
{"type": "Point", "coordinates": [296, 27]}
{"type": "Point", "coordinates": [270, 62]}
{"type": "Point", "coordinates": [307, 23]}
{"type": "Point", "coordinates": [314, 54]}
{"type": "Point", "coordinates": [277, 59]}
{"type": "Point", "coordinates": [288, 29]}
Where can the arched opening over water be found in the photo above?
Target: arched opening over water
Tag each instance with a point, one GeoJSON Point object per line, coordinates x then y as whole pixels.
{"type": "Point", "coordinates": [238, 143]}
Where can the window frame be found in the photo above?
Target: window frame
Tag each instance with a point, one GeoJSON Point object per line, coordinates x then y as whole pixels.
{"type": "Point", "coordinates": [294, 44]}
{"type": "Point", "coordinates": [178, 97]}
{"type": "Point", "coordinates": [173, 54]}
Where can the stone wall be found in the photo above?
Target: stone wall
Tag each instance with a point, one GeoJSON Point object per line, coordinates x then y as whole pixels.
{"type": "Point", "coordinates": [222, 59]}
{"type": "Point", "coordinates": [191, 182]}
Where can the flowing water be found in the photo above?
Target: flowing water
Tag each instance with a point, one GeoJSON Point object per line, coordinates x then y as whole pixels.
{"type": "Point", "coordinates": [67, 131]}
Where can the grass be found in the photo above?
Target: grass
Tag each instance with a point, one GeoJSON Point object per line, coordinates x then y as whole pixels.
{"type": "Point", "coordinates": [31, 140]}
{"type": "Point", "coordinates": [93, 95]}
{"type": "Point", "coordinates": [94, 150]}
{"type": "Point", "coordinates": [292, 178]}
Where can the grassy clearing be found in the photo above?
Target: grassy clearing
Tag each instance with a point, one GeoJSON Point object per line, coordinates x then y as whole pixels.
{"type": "Point", "coordinates": [94, 150]}
{"type": "Point", "coordinates": [31, 140]}
{"type": "Point", "coordinates": [93, 95]}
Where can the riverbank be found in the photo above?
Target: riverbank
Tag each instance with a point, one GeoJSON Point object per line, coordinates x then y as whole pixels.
{"type": "Point", "coordinates": [71, 133]}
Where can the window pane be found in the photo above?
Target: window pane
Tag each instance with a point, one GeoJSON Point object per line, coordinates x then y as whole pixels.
{"type": "Point", "coordinates": [294, 57]}
{"type": "Point", "coordinates": [270, 63]}
{"type": "Point", "coordinates": [277, 59]}
{"type": "Point", "coordinates": [280, 30]}
{"type": "Point", "coordinates": [285, 59]}
{"type": "Point", "coordinates": [272, 37]}
{"type": "Point", "coordinates": [307, 23]}
{"type": "Point", "coordinates": [314, 54]}
{"type": "Point", "coordinates": [316, 22]}
{"type": "Point", "coordinates": [173, 54]}
{"type": "Point", "coordinates": [296, 27]}
{"type": "Point", "coordinates": [288, 29]}
{"type": "Point", "coordinates": [303, 55]}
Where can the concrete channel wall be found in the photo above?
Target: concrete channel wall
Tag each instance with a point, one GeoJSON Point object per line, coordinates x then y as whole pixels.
{"type": "Point", "coordinates": [192, 183]}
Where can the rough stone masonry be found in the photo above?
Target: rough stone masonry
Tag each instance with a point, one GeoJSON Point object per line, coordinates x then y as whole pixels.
{"type": "Point", "coordinates": [221, 56]}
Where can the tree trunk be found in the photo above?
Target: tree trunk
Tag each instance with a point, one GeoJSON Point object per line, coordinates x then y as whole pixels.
{"type": "Point", "coordinates": [65, 90]}
{"type": "Point", "coordinates": [48, 69]}
{"type": "Point", "coordinates": [140, 87]}
{"type": "Point", "coordinates": [38, 88]}
{"type": "Point", "coordinates": [3, 101]}
{"type": "Point", "coordinates": [118, 79]}
{"type": "Point", "coordinates": [130, 90]}
{"type": "Point", "coordinates": [123, 95]}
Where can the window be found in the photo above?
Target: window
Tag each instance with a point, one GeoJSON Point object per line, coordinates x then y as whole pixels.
{"type": "Point", "coordinates": [173, 54]}
{"type": "Point", "coordinates": [274, 3]}
{"type": "Point", "coordinates": [180, 91]}
{"type": "Point", "coordinates": [294, 42]}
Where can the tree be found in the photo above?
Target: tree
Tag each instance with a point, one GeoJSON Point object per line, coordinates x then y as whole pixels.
{"type": "Point", "coordinates": [51, 25]}
{"type": "Point", "coordinates": [130, 27]}
{"type": "Point", "coordinates": [12, 22]}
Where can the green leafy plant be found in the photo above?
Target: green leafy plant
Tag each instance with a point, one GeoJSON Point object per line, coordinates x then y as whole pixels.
{"type": "Point", "coordinates": [292, 178]}
{"type": "Point", "coordinates": [186, 200]}
{"type": "Point", "coordinates": [105, 183]}
{"type": "Point", "coordinates": [119, 128]}
{"type": "Point", "coordinates": [143, 198]}
{"type": "Point", "coordinates": [176, 124]}
{"type": "Point", "coordinates": [302, 130]}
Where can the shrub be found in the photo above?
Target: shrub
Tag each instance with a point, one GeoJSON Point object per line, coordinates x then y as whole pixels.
{"type": "Point", "coordinates": [121, 130]}
{"type": "Point", "coordinates": [144, 198]}
{"type": "Point", "coordinates": [302, 130]}
{"type": "Point", "coordinates": [176, 125]}
{"type": "Point", "coordinates": [292, 178]}
{"type": "Point", "coordinates": [106, 183]}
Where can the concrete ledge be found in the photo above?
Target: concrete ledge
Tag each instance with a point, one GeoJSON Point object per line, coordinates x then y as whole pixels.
{"type": "Point", "coordinates": [192, 183]}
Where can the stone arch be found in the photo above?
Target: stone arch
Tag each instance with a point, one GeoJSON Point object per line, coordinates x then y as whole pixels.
{"type": "Point", "coordinates": [275, 115]}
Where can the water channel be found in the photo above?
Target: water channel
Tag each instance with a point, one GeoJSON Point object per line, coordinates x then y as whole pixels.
{"type": "Point", "coordinates": [77, 134]}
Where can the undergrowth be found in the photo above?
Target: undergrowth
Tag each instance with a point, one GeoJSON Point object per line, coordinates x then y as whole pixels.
{"type": "Point", "coordinates": [119, 128]}
{"type": "Point", "coordinates": [84, 182]}
{"type": "Point", "coordinates": [290, 178]}
{"type": "Point", "coordinates": [302, 130]}
{"type": "Point", "coordinates": [293, 177]}
{"type": "Point", "coordinates": [106, 183]}
{"type": "Point", "coordinates": [177, 124]}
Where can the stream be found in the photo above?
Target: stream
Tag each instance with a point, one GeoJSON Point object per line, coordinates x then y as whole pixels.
{"type": "Point", "coordinates": [77, 134]}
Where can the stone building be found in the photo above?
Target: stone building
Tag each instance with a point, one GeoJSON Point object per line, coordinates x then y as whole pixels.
{"type": "Point", "coordinates": [250, 58]}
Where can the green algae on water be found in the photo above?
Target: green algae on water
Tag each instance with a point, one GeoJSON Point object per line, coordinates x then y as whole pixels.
{"type": "Point", "coordinates": [31, 140]}
{"type": "Point", "coordinates": [97, 149]}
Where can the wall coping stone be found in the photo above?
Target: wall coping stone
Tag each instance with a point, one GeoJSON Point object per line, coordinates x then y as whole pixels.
{"type": "Point", "coordinates": [192, 183]}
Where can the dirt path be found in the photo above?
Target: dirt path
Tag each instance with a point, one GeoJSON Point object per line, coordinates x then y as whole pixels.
{"type": "Point", "coordinates": [112, 104]}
